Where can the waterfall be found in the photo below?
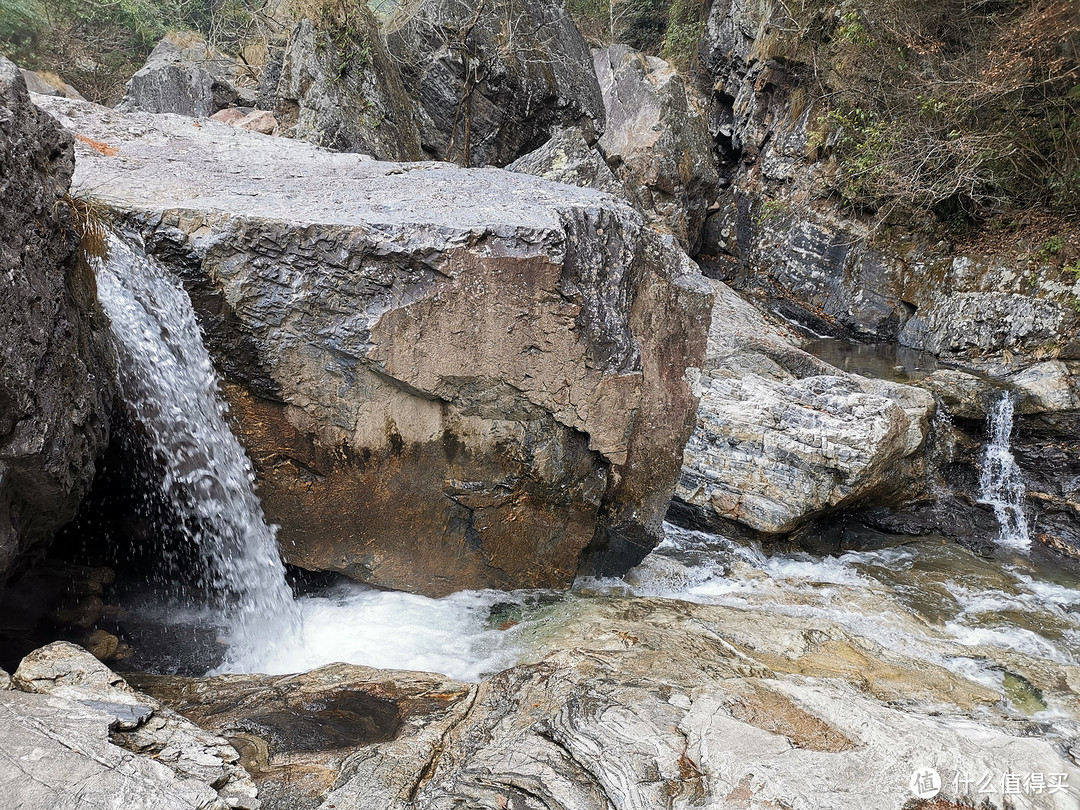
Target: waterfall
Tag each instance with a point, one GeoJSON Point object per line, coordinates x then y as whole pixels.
{"type": "Point", "coordinates": [1001, 483]}
{"type": "Point", "coordinates": [168, 381]}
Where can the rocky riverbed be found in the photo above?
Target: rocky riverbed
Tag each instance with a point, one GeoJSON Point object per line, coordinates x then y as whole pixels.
{"type": "Point", "coordinates": [341, 469]}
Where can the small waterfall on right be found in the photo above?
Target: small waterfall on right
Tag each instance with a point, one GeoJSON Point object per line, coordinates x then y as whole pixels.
{"type": "Point", "coordinates": [1001, 484]}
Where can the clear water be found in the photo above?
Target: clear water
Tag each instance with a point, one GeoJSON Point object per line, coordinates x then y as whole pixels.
{"type": "Point", "coordinates": [918, 596]}
{"type": "Point", "coordinates": [1001, 483]}
{"type": "Point", "coordinates": [168, 382]}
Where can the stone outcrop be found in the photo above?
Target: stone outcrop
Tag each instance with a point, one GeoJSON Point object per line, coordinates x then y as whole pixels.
{"type": "Point", "coordinates": [446, 378]}
{"type": "Point", "coordinates": [493, 81]}
{"type": "Point", "coordinates": [783, 437]}
{"type": "Point", "coordinates": [84, 738]}
{"type": "Point", "coordinates": [49, 84]}
{"type": "Point", "coordinates": [334, 84]}
{"type": "Point", "coordinates": [187, 76]}
{"type": "Point", "coordinates": [657, 141]}
{"type": "Point", "coordinates": [776, 235]}
{"type": "Point", "coordinates": [54, 380]}
{"type": "Point", "coordinates": [635, 703]}
{"type": "Point", "coordinates": [568, 158]}
{"type": "Point", "coordinates": [299, 734]}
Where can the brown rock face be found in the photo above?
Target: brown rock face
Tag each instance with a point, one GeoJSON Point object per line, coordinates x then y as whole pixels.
{"type": "Point", "coordinates": [446, 378]}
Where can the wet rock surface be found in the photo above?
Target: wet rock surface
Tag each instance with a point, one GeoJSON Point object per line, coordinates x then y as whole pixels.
{"type": "Point", "coordinates": [446, 378]}
{"type": "Point", "coordinates": [643, 702]}
{"type": "Point", "coordinates": [657, 141]}
{"type": "Point", "coordinates": [492, 81]}
{"type": "Point", "coordinates": [783, 437]}
{"type": "Point", "coordinates": [298, 734]}
{"type": "Point", "coordinates": [50, 433]}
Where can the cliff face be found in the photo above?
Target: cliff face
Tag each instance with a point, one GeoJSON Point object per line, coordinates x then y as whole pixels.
{"type": "Point", "coordinates": [825, 218]}
{"type": "Point", "coordinates": [447, 378]}
{"type": "Point", "coordinates": [53, 372]}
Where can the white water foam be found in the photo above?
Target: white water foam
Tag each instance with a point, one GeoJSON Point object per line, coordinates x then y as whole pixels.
{"type": "Point", "coordinates": [453, 635]}
{"type": "Point", "coordinates": [168, 382]}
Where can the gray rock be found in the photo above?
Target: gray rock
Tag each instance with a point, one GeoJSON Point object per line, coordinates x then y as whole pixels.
{"type": "Point", "coordinates": [54, 374]}
{"type": "Point", "coordinates": [641, 703]}
{"type": "Point", "coordinates": [49, 84]}
{"type": "Point", "coordinates": [782, 437]}
{"type": "Point", "coordinates": [446, 378]}
{"type": "Point", "coordinates": [5, 680]}
{"type": "Point", "coordinates": [138, 723]}
{"type": "Point", "coordinates": [964, 395]}
{"type": "Point", "coordinates": [340, 89]}
{"type": "Point", "coordinates": [60, 758]}
{"type": "Point", "coordinates": [774, 235]}
{"type": "Point", "coordinates": [1049, 387]}
{"type": "Point", "coordinates": [568, 158]}
{"type": "Point", "coordinates": [493, 81]}
{"type": "Point", "coordinates": [186, 76]}
{"type": "Point", "coordinates": [657, 141]}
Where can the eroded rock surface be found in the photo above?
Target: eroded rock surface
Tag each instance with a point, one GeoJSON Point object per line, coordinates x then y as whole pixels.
{"type": "Point", "coordinates": [446, 378]}
{"type": "Point", "coordinates": [568, 158]}
{"type": "Point", "coordinates": [53, 369]}
{"type": "Point", "coordinates": [86, 739]}
{"type": "Point", "coordinates": [783, 437]}
{"type": "Point", "coordinates": [335, 85]}
{"type": "Point", "coordinates": [775, 235]}
{"type": "Point", "coordinates": [299, 735]}
{"type": "Point", "coordinates": [657, 141]}
{"type": "Point", "coordinates": [492, 81]}
{"type": "Point", "coordinates": [643, 703]}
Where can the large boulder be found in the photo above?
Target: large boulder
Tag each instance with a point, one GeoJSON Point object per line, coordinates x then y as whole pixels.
{"type": "Point", "coordinates": [493, 81]}
{"type": "Point", "coordinates": [657, 141]}
{"type": "Point", "coordinates": [187, 76]}
{"type": "Point", "coordinates": [446, 378]}
{"type": "Point", "coordinates": [783, 437]}
{"type": "Point", "coordinates": [53, 372]}
{"type": "Point", "coordinates": [335, 85]}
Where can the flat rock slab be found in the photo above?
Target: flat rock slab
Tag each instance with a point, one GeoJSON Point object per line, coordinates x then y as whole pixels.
{"type": "Point", "coordinates": [446, 378]}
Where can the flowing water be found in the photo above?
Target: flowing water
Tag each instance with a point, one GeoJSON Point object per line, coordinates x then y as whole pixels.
{"type": "Point", "coordinates": [168, 382]}
{"type": "Point", "coordinates": [1000, 483]}
{"type": "Point", "coordinates": [924, 597]}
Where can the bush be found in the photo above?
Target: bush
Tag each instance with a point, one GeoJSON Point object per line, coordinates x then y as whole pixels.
{"type": "Point", "coordinates": [965, 109]}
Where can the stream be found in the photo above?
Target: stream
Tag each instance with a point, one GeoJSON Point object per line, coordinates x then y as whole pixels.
{"type": "Point", "coordinates": [922, 597]}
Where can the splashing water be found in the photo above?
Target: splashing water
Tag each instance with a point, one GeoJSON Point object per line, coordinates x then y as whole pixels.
{"type": "Point", "coordinates": [1001, 484]}
{"type": "Point", "coordinates": [168, 381]}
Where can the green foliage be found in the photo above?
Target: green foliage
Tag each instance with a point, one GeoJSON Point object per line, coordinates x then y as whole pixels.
{"type": "Point", "coordinates": [685, 26]}
{"type": "Point", "coordinates": [772, 211]}
{"type": "Point", "coordinates": [963, 110]}
{"type": "Point", "coordinates": [97, 44]}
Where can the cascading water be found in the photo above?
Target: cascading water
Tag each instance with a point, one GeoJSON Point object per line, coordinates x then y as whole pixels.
{"type": "Point", "coordinates": [167, 380]}
{"type": "Point", "coordinates": [1001, 484]}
